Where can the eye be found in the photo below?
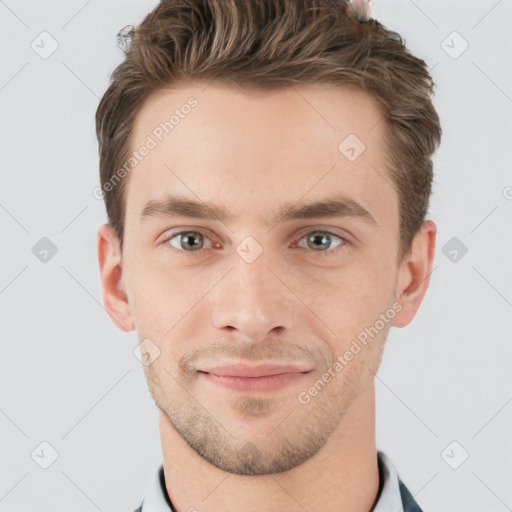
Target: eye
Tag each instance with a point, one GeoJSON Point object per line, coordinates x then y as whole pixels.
{"type": "Point", "coordinates": [188, 241]}
{"type": "Point", "coordinates": [321, 241]}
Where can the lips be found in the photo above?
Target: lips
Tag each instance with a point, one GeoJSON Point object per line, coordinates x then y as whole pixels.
{"type": "Point", "coordinates": [244, 377]}
{"type": "Point", "coordinates": [263, 370]}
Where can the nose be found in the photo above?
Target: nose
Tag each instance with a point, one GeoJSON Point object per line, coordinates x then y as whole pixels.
{"type": "Point", "coordinates": [254, 301]}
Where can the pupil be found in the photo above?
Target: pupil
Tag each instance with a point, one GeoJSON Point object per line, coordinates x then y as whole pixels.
{"type": "Point", "coordinates": [323, 240]}
{"type": "Point", "coordinates": [188, 237]}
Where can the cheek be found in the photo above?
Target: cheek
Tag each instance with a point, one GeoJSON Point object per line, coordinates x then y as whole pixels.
{"type": "Point", "coordinates": [350, 299]}
{"type": "Point", "coordinates": [158, 286]}
{"type": "Point", "coordinates": [153, 306]}
{"type": "Point", "coordinates": [163, 301]}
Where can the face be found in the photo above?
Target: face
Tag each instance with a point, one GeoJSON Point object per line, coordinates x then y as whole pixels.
{"type": "Point", "coordinates": [260, 265]}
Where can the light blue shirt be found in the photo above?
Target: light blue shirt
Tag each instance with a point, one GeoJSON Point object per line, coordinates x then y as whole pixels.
{"type": "Point", "coordinates": [394, 495]}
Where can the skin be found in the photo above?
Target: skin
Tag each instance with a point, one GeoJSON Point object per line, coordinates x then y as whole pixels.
{"type": "Point", "coordinates": [252, 152]}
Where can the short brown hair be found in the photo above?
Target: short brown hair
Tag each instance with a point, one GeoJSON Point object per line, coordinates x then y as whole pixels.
{"type": "Point", "coordinates": [269, 44]}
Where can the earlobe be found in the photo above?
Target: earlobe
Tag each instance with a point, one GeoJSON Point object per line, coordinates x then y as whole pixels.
{"type": "Point", "coordinates": [414, 274]}
{"type": "Point", "coordinates": [114, 293]}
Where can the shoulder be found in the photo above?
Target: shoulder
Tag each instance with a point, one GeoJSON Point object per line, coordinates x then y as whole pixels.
{"type": "Point", "coordinates": [408, 502]}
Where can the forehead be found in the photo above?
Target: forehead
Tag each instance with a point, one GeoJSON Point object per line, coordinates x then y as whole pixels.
{"type": "Point", "coordinates": [252, 149]}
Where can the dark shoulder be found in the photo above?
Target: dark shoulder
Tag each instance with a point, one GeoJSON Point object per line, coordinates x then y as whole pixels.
{"type": "Point", "coordinates": [408, 502]}
{"type": "Point", "coordinates": [139, 509]}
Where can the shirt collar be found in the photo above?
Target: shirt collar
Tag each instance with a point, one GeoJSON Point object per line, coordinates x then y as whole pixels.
{"type": "Point", "coordinates": [155, 498]}
{"type": "Point", "coordinates": [389, 498]}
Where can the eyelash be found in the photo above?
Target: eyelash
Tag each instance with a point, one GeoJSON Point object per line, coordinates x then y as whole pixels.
{"type": "Point", "coordinates": [326, 253]}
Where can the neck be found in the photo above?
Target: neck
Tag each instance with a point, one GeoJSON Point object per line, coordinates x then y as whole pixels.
{"type": "Point", "coordinates": [342, 476]}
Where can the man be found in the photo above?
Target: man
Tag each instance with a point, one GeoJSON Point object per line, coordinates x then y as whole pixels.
{"type": "Point", "coordinates": [266, 169]}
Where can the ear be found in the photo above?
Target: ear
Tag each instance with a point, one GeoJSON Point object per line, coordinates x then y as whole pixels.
{"type": "Point", "coordinates": [114, 293]}
{"type": "Point", "coordinates": [414, 274]}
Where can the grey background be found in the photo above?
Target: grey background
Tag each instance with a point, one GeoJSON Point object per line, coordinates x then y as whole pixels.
{"type": "Point", "coordinates": [69, 377]}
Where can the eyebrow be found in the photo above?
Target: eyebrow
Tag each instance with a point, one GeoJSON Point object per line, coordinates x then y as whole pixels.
{"type": "Point", "coordinates": [178, 206]}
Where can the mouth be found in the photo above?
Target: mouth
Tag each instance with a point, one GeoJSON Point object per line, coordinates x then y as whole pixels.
{"type": "Point", "coordinates": [243, 377]}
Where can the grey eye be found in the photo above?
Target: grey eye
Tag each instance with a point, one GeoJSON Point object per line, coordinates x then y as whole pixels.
{"type": "Point", "coordinates": [320, 240]}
